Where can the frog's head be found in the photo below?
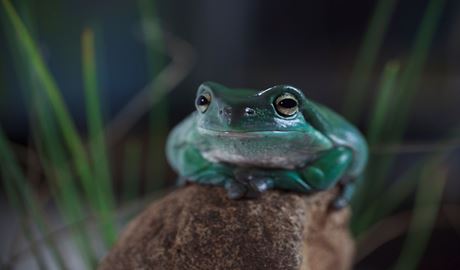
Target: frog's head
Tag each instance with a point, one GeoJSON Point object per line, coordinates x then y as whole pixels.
{"type": "Point", "coordinates": [242, 124]}
{"type": "Point", "coordinates": [245, 110]}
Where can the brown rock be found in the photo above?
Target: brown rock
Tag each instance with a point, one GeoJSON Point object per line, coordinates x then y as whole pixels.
{"type": "Point", "coordinates": [198, 227]}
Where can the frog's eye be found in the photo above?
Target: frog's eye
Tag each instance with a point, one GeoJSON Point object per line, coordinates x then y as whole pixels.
{"type": "Point", "coordinates": [286, 105]}
{"type": "Point", "coordinates": [203, 101]}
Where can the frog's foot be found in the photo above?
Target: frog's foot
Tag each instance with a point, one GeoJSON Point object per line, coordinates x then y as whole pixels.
{"type": "Point", "coordinates": [252, 188]}
{"type": "Point", "coordinates": [181, 181]}
{"type": "Point", "coordinates": [344, 197]}
{"type": "Point", "coordinates": [339, 203]}
{"type": "Point", "coordinates": [258, 186]}
{"type": "Point", "coordinates": [235, 190]}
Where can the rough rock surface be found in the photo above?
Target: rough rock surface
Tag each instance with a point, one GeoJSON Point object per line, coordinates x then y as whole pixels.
{"type": "Point", "coordinates": [198, 227]}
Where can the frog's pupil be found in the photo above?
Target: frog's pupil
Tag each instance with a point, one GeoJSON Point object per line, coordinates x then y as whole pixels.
{"type": "Point", "coordinates": [288, 103]}
{"type": "Point", "coordinates": [202, 100]}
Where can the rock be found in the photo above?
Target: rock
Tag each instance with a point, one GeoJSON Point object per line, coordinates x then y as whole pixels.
{"type": "Point", "coordinates": [198, 227]}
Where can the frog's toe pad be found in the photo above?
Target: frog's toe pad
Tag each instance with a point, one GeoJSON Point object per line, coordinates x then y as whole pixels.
{"type": "Point", "coordinates": [261, 185]}
{"type": "Point", "coordinates": [339, 203]}
{"type": "Point", "coordinates": [235, 190]}
{"type": "Point", "coordinates": [257, 187]}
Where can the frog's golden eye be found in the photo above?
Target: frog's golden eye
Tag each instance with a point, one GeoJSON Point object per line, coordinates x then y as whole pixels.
{"type": "Point", "coordinates": [202, 102]}
{"type": "Point", "coordinates": [286, 104]}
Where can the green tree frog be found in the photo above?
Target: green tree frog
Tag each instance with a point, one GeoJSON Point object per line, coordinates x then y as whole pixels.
{"type": "Point", "coordinates": [250, 141]}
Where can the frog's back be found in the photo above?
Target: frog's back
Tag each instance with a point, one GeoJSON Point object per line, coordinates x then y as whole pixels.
{"type": "Point", "coordinates": [342, 133]}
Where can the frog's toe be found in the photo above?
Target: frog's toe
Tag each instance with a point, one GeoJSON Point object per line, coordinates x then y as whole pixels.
{"type": "Point", "coordinates": [258, 186]}
{"type": "Point", "coordinates": [344, 197]}
{"type": "Point", "coordinates": [235, 190]}
{"type": "Point", "coordinates": [339, 203]}
{"type": "Point", "coordinates": [181, 181]}
{"type": "Point", "coordinates": [261, 185]}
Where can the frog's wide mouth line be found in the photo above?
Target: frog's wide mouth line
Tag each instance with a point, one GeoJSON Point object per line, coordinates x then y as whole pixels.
{"type": "Point", "coordinates": [246, 134]}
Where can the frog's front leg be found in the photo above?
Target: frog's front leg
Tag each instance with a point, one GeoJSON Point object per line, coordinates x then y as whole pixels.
{"type": "Point", "coordinates": [328, 170]}
{"type": "Point", "coordinates": [194, 167]}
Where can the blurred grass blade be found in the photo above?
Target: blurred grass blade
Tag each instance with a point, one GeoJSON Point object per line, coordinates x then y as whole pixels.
{"type": "Point", "coordinates": [402, 188]}
{"type": "Point", "coordinates": [36, 251]}
{"type": "Point", "coordinates": [65, 200]}
{"type": "Point", "coordinates": [131, 170]}
{"type": "Point", "coordinates": [98, 147]}
{"type": "Point", "coordinates": [415, 64]}
{"type": "Point", "coordinates": [60, 180]}
{"type": "Point", "coordinates": [156, 60]}
{"type": "Point", "coordinates": [23, 198]}
{"type": "Point", "coordinates": [428, 200]}
{"type": "Point", "coordinates": [63, 188]}
{"type": "Point", "coordinates": [25, 42]}
{"type": "Point", "coordinates": [382, 106]}
{"type": "Point", "coordinates": [94, 192]}
{"type": "Point", "coordinates": [382, 102]}
{"type": "Point", "coordinates": [13, 199]}
{"type": "Point", "coordinates": [362, 70]}
{"type": "Point", "coordinates": [395, 121]}
{"type": "Point", "coordinates": [386, 202]}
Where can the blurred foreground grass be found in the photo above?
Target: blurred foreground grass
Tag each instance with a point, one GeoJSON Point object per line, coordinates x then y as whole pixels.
{"type": "Point", "coordinates": [78, 168]}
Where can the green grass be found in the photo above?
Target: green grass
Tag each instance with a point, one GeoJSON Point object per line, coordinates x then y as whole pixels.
{"type": "Point", "coordinates": [23, 198]}
{"type": "Point", "coordinates": [365, 62]}
{"type": "Point", "coordinates": [60, 179]}
{"type": "Point", "coordinates": [387, 124]}
{"type": "Point", "coordinates": [158, 117]}
{"type": "Point", "coordinates": [428, 200]}
{"type": "Point", "coordinates": [95, 194]}
{"type": "Point", "coordinates": [132, 169]}
{"type": "Point", "coordinates": [388, 127]}
{"type": "Point", "coordinates": [97, 144]}
{"type": "Point", "coordinates": [78, 170]}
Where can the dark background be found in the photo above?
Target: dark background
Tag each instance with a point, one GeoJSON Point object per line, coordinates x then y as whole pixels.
{"type": "Point", "coordinates": [259, 43]}
{"type": "Point", "coordinates": [309, 44]}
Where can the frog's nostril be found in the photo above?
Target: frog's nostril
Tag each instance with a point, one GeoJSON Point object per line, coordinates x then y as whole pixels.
{"type": "Point", "coordinates": [225, 114]}
{"type": "Point", "coordinates": [249, 111]}
{"type": "Point", "coordinates": [227, 111]}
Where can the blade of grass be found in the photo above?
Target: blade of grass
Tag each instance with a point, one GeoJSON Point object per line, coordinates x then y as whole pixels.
{"type": "Point", "coordinates": [58, 175]}
{"type": "Point", "coordinates": [95, 194]}
{"type": "Point", "coordinates": [394, 125]}
{"type": "Point", "coordinates": [376, 125]}
{"type": "Point", "coordinates": [393, 196]}
{"type": "Point", "coordinates": [96, 133]}
{"type": "Point", "coordinates": [383, 102]}
{"type": "Point", "coordinates": [401, 189]}
{"type": "Point", "coordinates": [66, 193]}
{"type": "Point", "coordinates": [415, 64]}
{"type": "Point", "coordinates": [155, 170]}
{"type": "Point", "coordinates": [131, 170]}
{"type": "Point", "coordinates": [365, 62]}
{"type": "Point", "coordinates": [428, 200]}
{"type": "Point", "coordinates": [13, 198]}
{"type": "Point", "coordinates": [27, 83]}
{"type": "Point", "coordinates": [19, 190]}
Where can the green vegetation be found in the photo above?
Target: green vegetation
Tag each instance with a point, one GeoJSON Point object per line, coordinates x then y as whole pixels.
{"type": "Point", "coordinates": [78, 168]}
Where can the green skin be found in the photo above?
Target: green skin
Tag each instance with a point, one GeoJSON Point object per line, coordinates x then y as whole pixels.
{"type": "Point", "coordinates": [243, 143]}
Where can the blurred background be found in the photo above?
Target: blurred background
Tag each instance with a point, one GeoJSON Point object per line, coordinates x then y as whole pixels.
{"type": "Point", "coordinates": [90, 89]}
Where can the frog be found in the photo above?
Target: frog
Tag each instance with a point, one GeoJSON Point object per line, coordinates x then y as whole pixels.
{"type": "Point", "coordinates": [249, 141]}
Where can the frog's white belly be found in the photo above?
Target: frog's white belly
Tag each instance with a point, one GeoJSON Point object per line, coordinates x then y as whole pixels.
{"type": "Point", "coordinates": [268, 160]}
{"type": "Point", "coordinates": [261, 149]}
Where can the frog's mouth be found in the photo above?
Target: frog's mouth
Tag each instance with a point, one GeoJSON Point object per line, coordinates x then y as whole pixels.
{"type": "Point", "coordinates": [244, 134]}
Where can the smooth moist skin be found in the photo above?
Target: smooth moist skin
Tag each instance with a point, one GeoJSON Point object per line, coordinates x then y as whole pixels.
{"type": "Point", "coordinates": [249, 141]}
